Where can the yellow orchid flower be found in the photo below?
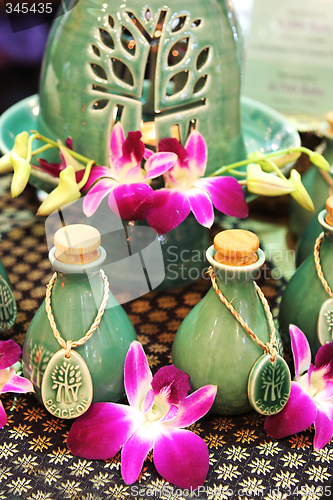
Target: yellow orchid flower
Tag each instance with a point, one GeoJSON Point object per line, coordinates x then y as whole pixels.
{"type": "Point", "coordinates": [67, 191]}
{"type": "Point", "coordinates": [20, 148]}
{"type": "Point", "coordinates": [21, 174]}
{"type": "Point", "coordinates": [262, 183]}
{"type": "Point", "coordinates": [300, 194]}
{"type": "Point", "coordinates": [319, 161]}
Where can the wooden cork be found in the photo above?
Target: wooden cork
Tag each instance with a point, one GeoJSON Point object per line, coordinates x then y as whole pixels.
{"type": "Point", "coordinates": [236, 247]}
{"type": "Point", "coordinates": [77, 244]}
{"type": "Point", "coordinates": [329, 209]}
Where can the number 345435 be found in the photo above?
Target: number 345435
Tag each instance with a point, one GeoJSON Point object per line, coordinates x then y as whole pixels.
{"type": "Point", "coordinates": [24, 8]}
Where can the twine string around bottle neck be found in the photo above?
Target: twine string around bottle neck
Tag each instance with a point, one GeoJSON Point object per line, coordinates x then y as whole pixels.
{"type": "Point", "coordinates": [318, 265]}
{"type": "Point", "coordinates": [69, 344]}
{"type": "Point", "coordinates": [269, 346]}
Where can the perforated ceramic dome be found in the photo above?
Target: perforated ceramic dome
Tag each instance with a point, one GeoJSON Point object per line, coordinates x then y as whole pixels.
{"type": "Point", "coordinates": [179, 68]}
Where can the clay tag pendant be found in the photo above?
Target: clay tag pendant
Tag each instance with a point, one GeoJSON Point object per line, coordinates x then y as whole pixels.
{"type": "Point", "coordinates": [8, 308]}
{"type": "Point", "coordinates": [269, 385]}
{"type": "Point", "coordinates": [325, 322]}
{"type": "Point", "coordinates": [67, 386]}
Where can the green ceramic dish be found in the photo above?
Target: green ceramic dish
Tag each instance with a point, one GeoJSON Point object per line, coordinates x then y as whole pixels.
{"type": "Point", "coordinates": [264, 130]}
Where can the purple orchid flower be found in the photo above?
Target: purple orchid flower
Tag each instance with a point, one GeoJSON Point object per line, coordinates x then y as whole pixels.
{"type": "Point", "coordinates": [10, 353]}
{"type": "Point", "coordinates": [159, 409]}
{"type": "Point", "coordinates": [126, 183]}
{"type": "Point", "coordinates": [311, 396]}
{"type": "Point", "coordinates": [187, 190]}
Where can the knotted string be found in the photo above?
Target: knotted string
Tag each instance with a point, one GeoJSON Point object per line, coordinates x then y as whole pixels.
{"type": "Point", "coordinates": [269, 346]}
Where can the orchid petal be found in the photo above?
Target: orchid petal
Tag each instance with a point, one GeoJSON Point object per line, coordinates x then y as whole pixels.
{"type": "Point", "coordinates": [134, 175]}
{"type": "Point", "coordinates": [173, 378]}
{"type": "Point", "coordinates": [301, 350]}
{"type": "Point", "coordinates": [53, 169]}
{"type": "Point", "coordinates": [103, 430]}
{"type": "Point", "coordinates": [197, 154]}
{"type": "Point", "coordinates": [131, 201]}
{"type": "Point", "coordinates": [169, 209]}
{"type": "Point", "coordinates": [195, 406]}
{"type": "Point", "coordinates": [68, 159]}
{"type": "Point", "coordinates": [133, 147]}
{"type": "Point", "coordinates": [298, 414]}
{"type": "Point", "coordinates": [10, 353]}
{"type": "Point", "coordinates": [324, 357]}
{"type": "Point", "coordinates": [159, 163]}
{"type": "Point", "coordinates": [96, 194]}
{"type": "Point", "coordinates": [226, 194]}
{"type": "Point", "coordinates": [117, 140]}
{"type": "Point", "coordinates": [17, 384]}
{"type": "Point", "coordinates": [323, 429]}
{"type": "Point", "coordinates": [137, 375]}
{"type": "Point", "coordinates": [171, 145]}
{"type": "Point", "coordinates": [201, 206]}
{"type": "Point", "coordinates": [180, 456]}
{"type": "Point", "coordinates": [21, 174]}
{"type": "Point", "coordinates": [148, 153]}
{"type": "Point", "coordinates": [96, 174]}
{"type": "Point", "coordinates": [3, 416]}
{"type": "Point", "coordinates": [5, 164]}
{"type": "Point", "coordinates": [262, 183]}
{"type": "Point", "coordinates": [300, 195]}
{"type": "Point", "coordinates": [325, 397]}
{"type": "Point", "coordinates": [135, 451]}
{"type": "Point", "coordinates": [66, 192]}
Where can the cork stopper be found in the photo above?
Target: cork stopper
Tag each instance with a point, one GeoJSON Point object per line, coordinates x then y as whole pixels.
{"type": "Point", "coordinates": [236, 247]}
{"type": "Point", "coordinates": [329, 209]}
{"type": "Point", "coordinates": [77, 244]}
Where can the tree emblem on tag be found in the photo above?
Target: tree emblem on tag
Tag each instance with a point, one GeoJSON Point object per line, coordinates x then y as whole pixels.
{"type": "Point", "coordinates": [325, 322]}
{"type": "Point", "coordinates": [8, 308]}
{"type": "Point", "coordinates": [67, 386]}
{"type": "Point", "coordinates": [269, 385]}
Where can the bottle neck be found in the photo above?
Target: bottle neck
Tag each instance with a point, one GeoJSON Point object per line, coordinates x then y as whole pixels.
{"type": "Point", "coordinates": [77, 269]}
{"type": "Point", "coordinates": [234, 275]}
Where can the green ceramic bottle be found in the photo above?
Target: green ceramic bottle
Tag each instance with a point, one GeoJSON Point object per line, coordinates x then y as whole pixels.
{"type": "Point", "coordinates": [305, 293]}
{"type": "Point", "coordinates": [211, 346]}
{"type": "Point", "coordinates": [75, 299]}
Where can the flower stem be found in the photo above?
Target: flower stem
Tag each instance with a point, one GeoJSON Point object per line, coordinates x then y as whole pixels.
{"type": "Point", "coordinates": [41, 149]}
{"type": "Point", "coordinates": [86, 174]}
{"type": "Point", "coordinates": [79, 157]}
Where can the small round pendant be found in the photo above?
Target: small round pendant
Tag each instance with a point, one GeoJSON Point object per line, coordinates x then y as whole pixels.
{"type": "Point", "coordinates": [67, 388]}
{"type": "Point", "coordinates": [269, 385]}
{"type": "Point", "coordinates": [325, 322]}
{"type": "Point", "coordinates": [8, 308]}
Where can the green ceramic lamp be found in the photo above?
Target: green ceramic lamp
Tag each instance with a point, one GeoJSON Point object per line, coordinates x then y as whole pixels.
{"type": "Point", "coordinates": [76, 298]}
{"type": "Point", "coordinates": [175, 68]}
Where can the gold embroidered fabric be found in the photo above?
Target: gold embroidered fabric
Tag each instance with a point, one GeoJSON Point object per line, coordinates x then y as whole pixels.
{"type": "Point", "coordinates": [35, 463]}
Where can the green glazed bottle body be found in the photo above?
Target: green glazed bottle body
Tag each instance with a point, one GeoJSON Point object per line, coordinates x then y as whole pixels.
{"type": "Point", "coordinates": [213, 348]}
{"type": "Point", "coordinates": [75, 301]}
{"type": "Point", "coordinates": [305, 294]}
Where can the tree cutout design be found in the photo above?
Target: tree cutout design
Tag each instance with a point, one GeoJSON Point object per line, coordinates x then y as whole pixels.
{"type": "Point", "coordinates": [157, 45]}
{"type": "Point", "coordinates": [66, 379]}
{"type": "Point", "coordinates": [273, 379]}
{"type": "Point", "coordinates": [329, 321]}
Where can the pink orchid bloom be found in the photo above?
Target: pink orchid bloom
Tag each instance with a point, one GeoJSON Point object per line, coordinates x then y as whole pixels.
{"type": "Point", "coordinates": [187, 190]}
{"type": "Point", "coordinates": [311, 396]}
{"type": "Point", "coordinates": [159, 409]}
{"type": "Point", "coordinates": [126, 183]}
{"type": "Point", "coordinates": [10, 353]}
